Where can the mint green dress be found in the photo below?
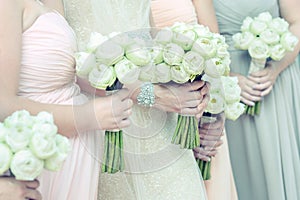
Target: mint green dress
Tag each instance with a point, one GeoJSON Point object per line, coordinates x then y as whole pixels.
{"type": "Point", "coordinates": [264, 149]}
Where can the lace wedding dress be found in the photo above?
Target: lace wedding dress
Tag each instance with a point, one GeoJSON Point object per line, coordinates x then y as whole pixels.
{"type": "Point", "coordinates": [154, 168]}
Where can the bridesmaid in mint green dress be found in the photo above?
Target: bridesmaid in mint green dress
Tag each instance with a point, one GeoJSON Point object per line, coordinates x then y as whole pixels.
{"type": "Point", "coordinates": [264, 149]}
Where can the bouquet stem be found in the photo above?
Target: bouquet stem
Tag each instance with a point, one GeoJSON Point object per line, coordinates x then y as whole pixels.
{"type": "Point", "coordinates": [113, 158]}
{"type": "Point", "coordinates": [255, 65]}
{"type": "Point", "coordinates": [186, 132]}
{"type": "Point", "coordinates": [204, 167]}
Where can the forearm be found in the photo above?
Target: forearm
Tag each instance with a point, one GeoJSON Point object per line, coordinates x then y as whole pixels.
{"type": "Point", "coordinates": [68, 119]}
{"type": "Point", "coordinates": [86, 87]}
{"type": "Point", "coordinates": [206, 14]}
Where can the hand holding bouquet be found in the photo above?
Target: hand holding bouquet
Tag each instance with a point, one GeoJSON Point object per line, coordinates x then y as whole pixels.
{"type": "Point", "coordinates": [265, 38]}
{"type": "Point", "coordinates": [108, 63]}
{"type": "Point", "coordinates": [28, 144]}
{"type": "Point", "coordinates": [188, 52]}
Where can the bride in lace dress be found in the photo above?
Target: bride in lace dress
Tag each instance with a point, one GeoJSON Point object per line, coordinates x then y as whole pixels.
{"type": "Point", "coordinates": [155, 168]}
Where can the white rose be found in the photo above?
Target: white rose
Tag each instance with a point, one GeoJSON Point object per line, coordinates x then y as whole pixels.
{"type": "Point", "coordinates": [265, 17]}
{"type": "Point", "coordinates": [42, 145]}
{"type": "Point", "coordinates": [222, 51]}
{"type": "Point", "coordinates": [289, 41]}
{"type": "Point", "coordinates": [19, 119]}
{"type": "Point", "coordinates": [279, 25]}
{"type": "Point", "coordinates": [185, 39]}
{"type": "Point", "coordinates": [109, 53]}
{"type": "Point", "coordinates": [219, 40]}
{"type": "Point", "coordinates": [55, 162]}
{"type": "Point", "coordinates": [173, 54]}
{"type": "Point", "coordinates": [205, 47]}
{"type": "Point", "coordinates": [162, 73]}
{"type": "Point", "coordinates": [44, 117]}
{"type": "Point", "coordinates": [193, 63]}
{"type": "Point", "coordinates": [215, 67]}
{"type": "Point", "coordinates": [157, 54]}
{"type": "Point", "coordinates": [164, 36]}
{"type": "Point", "coordinates": [179, 75]}
{"type": "Point", "coordinates": [126, 71]}
{"type": "Point", "coordinates": [122, 39]}
{"type": "Point", "coordinates": [216, 85]}
{"type": "Point", "coordinates": [232, 90]}
{"type": "Point", "coordinates": [18, 139]}
{"type": "Point", "coordinates": [85, 62]}
{"type": "Point", "coordinates": [202, 31]}
{"type": "Point", "coordinates": [277, 52]}
{"type": "Point", "coordinates": [234, 110]}
{"type": "Point", "coordinates": [243, 40]}
{"type": "Point", "coordinates": [259, 50]}
{"type": "Point", "coordinates": [102, 77]}
{"type": "Point", "coordinates": [5, 158]}
{"type": "Point", "coordinates": [216, 103]}
{"type": "Point", "coordinates": [147, 73]}
{"type": "Point", "coordinates": [25, 166]}
{"type": "Point", "coordinates": [3, 132]}
{"type": "Point", "coordinates": [95, 40]}
{"type": "Point", "coordinates": [258, 26]}
{"type": "Point", "coordinates": [138, 55]}
{"type": "Point", "coordinates": [270, 37]}
{"type": "Point", "coordinates": [246, 24]}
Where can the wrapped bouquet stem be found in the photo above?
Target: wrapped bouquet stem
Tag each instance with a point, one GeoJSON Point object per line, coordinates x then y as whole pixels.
{"type": "Point", "coordinates": [255, 65]}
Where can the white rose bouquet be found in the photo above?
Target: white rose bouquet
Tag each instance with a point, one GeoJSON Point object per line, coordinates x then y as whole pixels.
{"type": "Point", "coordinates": [108, 63]}
{"type": "Point", "coordinates": [28, 144]}
{"type": "Point", "coordinates": [224, 100]}
{"type": "Point", "coordinates": [184, 53]}
{"type": "Point", "coordinates": [265, 38]}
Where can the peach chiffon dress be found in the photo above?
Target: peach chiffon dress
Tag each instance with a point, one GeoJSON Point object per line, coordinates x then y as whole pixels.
{"type": "Point", "coordinates": [48, 75]}
{"type": "Point", "coordinates": [221, 185]}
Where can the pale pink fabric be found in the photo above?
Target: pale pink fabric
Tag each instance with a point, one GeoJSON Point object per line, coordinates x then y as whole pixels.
{"type": "Point", "coordinates": [48, 75]}
{"type": "Point", "coordinates": [221, 185]}
{"type": "Point", "coordinates": [167, 12]}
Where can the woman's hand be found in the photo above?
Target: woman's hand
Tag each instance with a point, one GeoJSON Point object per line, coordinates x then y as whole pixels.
{"type": "Point", "coordinates": [112, 112]}
{"type": "Point", "coordinates": [265, 78]}
{"type": "Point", "coordinates": [210, 139]}
{"type": "Point", "coordinates": [187, 99]}
{"type": "Point", "coordinates": [11, 189]}
{"type": "Point", "coordinates": [249, 95]}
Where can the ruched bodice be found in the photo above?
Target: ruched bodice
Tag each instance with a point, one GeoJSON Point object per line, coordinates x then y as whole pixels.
{"type": "Point", "coordinates": [230, 18]}
{"type": "Point", "coordinates": [47, 66]}
{"type": "Point", "coordinates": [47, 75]}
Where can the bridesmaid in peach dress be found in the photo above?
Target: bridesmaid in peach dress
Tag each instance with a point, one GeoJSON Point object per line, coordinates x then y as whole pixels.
{"type": "Point", "coordinates": [165, 13]}
{"type": "Point", "coordinates": [37, 73]}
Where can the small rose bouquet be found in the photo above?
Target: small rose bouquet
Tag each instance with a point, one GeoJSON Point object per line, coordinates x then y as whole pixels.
{"type": "Point", "coordinates": [224, 99]}
{"type": "Point", "coordinates": [108, 63]}
{"type": "Point", "coordinates": [265, 38]}
{"type": "Point", "coordinates": [183, 53]}
{"type": "Point", "coordinates": [28, 144]}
